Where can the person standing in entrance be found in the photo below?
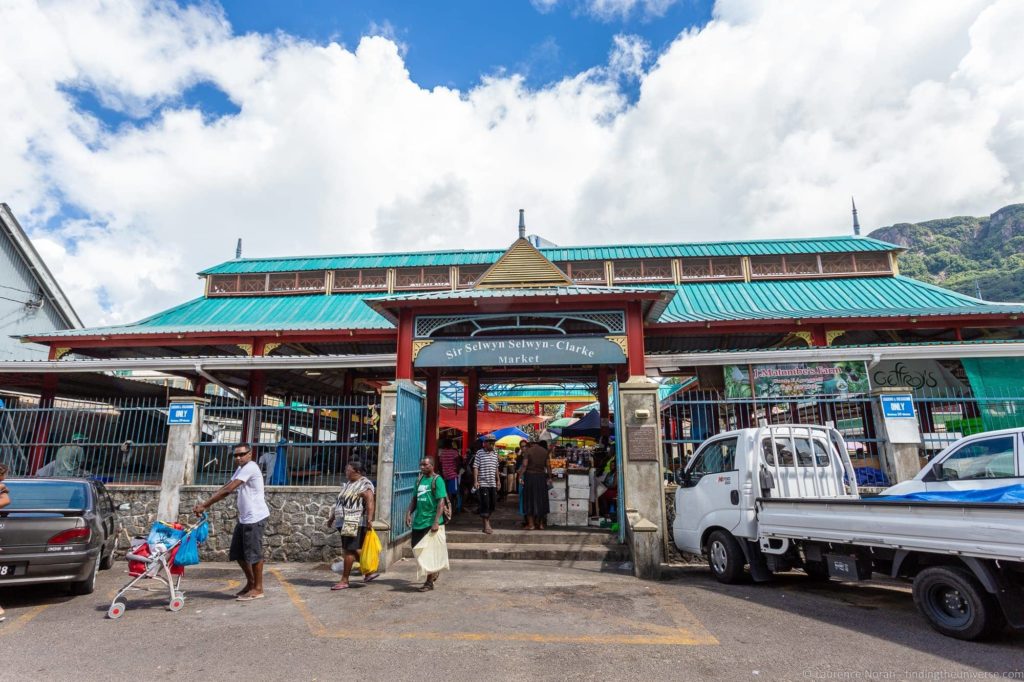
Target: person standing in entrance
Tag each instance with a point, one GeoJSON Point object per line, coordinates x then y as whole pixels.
{"type": "Point", "coordinates": [535, 473]}
{"type": "Point", "coordinates": [450, 460]}
{"type": "Point", "coordinates": [247, 540]}
{"type": "Point", "coordinates": [485, 480]}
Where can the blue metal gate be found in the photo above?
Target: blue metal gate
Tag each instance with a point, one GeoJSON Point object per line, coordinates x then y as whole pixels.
{"type": "Point", "coordinates": [410, 427]}
{"type": "Point", "coordinates": [620, 435]}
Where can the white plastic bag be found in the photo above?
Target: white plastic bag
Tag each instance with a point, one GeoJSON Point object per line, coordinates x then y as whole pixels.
{"type": "Point", "coordinates": [431, 554]}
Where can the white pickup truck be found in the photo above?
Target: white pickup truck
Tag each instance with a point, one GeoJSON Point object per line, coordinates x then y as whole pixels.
{"type": "Point", "coordinates": [779, 498]}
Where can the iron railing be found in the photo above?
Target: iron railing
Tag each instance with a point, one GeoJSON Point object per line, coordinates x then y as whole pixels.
{"type": "Point", "coordinates": [944, 415]}
{"type": "Point", "coordinates": [305, 442]}
{"type": "Point", "coordinates": [115, 441]}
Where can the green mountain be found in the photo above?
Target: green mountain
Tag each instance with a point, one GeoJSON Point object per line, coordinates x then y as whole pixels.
{"type": "Point", "coordinates": [965, 254]}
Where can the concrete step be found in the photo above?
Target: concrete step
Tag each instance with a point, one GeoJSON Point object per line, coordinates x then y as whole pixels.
{"type": "Point", "coordinates": [569, 537]}
{"type": "Point", "coordinates": [532, 552]}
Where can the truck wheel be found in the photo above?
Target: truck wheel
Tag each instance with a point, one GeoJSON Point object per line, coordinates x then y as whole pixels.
{"type": "Point", "coordinates": [956, 604]}
{"type": "Point", "coordinates": [87, 586]}
{"type": "Point", "coordinates": [725, 557]}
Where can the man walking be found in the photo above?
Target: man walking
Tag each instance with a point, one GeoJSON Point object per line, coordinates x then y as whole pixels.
{"type": "Point", "coordinates": [485, 480]}
{"type": "Point", "coordinates": [247, 540]}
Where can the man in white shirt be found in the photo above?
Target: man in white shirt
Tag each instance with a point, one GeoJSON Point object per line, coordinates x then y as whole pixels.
{"type": "Point", "coordinates": [247, 540]}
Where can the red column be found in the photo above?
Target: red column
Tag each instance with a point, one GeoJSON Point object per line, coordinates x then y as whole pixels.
{"type": "Point", "coordinates": [433, 398]}
{"type": "Point", "coordinates": [602, 398]}
{"type": "Point", "coordinates": [536, 408]}
{"type": "Point", "coordinates": [348, 383]}
{"type": "Point", "coordinates": [818, 336]}
{"type": "Point", "coordinates": [635, 340]}
{"type": "Point", "coordinates": [199, 387]}
{"type": "Point", "coordinates": [472, 397]}
{"type": "Point", "coordinates": [403, 370]}
{"type": "Point", "coordinates": [42, 430]}
{"type": "Point", "coordinates": [257, 388]}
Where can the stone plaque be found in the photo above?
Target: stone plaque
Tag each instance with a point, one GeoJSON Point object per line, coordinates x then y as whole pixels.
{"type": "Point", "coordinates": [642, 443]}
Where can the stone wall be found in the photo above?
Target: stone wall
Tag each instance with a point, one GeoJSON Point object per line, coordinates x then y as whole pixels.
{"type": "Point", "coordinates": [295, 531]}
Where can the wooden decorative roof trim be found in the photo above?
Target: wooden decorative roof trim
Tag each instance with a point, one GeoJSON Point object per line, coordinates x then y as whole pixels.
{"type": "Point", "coordinates": [522, 266]}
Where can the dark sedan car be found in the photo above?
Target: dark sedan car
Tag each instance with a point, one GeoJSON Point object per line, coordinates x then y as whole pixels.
{"type": "Point", "coordinates": [56, 530]}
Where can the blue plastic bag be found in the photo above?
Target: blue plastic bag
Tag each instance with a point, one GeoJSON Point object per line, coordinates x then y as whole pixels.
{"type": "Point", "coordinates": [188, 551]}
{"type": "Point", "coordinates": [162, 534]}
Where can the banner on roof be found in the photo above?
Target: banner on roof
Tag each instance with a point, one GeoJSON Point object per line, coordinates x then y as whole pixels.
{"type": "Point", "coordinates": [796, 379]}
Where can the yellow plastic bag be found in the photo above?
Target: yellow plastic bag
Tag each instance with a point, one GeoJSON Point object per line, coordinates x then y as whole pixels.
{"type": "Point", "coordinates": [369, 555]}
{"type": "Point", "coordinates": [431, 554]}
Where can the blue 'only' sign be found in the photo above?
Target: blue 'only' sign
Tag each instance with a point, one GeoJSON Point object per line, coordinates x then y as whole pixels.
{"type": "Point", "coordinates": [181, 413]}
{"type": "Point", "coordinates": [899, 406]}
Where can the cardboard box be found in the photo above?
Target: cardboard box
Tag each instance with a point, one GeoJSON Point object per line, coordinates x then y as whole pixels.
{"type": "Point", "coordinates": [579, 505]}
{"type": "Point", "coordinates": [577, 518]}
{"type": "Point", "coordinates": [557, 519]}
{"type": "Point", "coordinates": [557, 493]}
{"type": "Point", "coordinates": [579, 493]}
{"type": "Point", "coordinates": [576, 481]}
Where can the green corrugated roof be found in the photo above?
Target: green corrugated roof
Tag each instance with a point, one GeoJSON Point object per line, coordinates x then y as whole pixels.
{"type": "Point", "coordinates": [254, 313]}
{"type": "Point", "coordinates": [820, 298]}
{"type": "Point", "coordinates": [568, 253]}
{"type": "Point", "coordinates": [694, 302]}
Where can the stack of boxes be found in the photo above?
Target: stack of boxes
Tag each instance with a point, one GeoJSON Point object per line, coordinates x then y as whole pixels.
{"type": "Point", "coordinates": [557, 502]}
{"type": "Point", "coordinates": [578, 508]}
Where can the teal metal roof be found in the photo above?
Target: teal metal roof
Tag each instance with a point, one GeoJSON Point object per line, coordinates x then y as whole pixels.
{"type": "Point", "coordinates": [253, 313]}
{"type": "Point", "coordinates": [820, 298]}
{"type": "Point", "coordinates": [567, 253]}
{"type": "Point", "coordinates": [696, 302]}
{"type": "Point", "coordinates": [526, 292]}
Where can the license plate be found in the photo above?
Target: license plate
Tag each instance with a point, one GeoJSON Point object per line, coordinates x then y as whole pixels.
{"type": "Point", "coordinates": [11, 570]}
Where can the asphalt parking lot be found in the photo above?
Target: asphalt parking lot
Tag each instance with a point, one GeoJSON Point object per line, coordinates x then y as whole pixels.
{"type": "Point", "coordinates": [497, 620]}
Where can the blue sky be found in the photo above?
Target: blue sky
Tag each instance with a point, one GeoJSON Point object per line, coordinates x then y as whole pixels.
{"type": "Point", "coordinates": [455, 42]}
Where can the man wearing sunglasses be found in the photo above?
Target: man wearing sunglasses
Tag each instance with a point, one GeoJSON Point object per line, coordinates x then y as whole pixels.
{"type": "Point", "coordinates": [247, 540]}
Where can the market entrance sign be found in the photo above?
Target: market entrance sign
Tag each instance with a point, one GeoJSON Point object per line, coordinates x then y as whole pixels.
{"type": "Point", "coordinates": [520, 351]}
{"type": "Point", "coordinates": [796, 379]}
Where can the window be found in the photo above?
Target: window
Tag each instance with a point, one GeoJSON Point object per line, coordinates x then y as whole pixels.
{"type": "Point", "coordinates": [224, 284]}
{"type": "Point", "coordinates": [422, 278]}
{"type": "Point", "coordinates": [986, 458]}
{"type": "Point", "coordinates": [784, 448]}
{"type": "Point", "coordinates": [469, 274]}
{"type": "Point", "coordinates": [717, 457]}
{"type": "Point", "coordinates": [652, 270]}
{"type": "Point", "coordinates": [587, 271]}
{"type": "Point", "coordinates": [764, 266]}
{"type": "Point", "coordinates": [802, 264]}
{"type": "Point", "coordinates": [372, 279]}
{"type": "Point", "coordinates": [872, 262]}
{"type": "Point", "coordinates": [836, 263]}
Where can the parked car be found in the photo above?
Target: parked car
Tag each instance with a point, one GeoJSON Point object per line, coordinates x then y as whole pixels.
{"type": "Point", "coordinates": [56, 530]}
{"type": "Point", "coordinates": [984, 460]}
{"type": "Point", "coordinates": [780, 498]}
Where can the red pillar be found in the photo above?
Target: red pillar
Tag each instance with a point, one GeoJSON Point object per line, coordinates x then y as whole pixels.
{"type": "Point", "coordinates": [635, 340]}
{"type": "Point", "coordinates": [536, 408]}
{"type": "Point", "coordinates": [348, 383]}
{"type": "Point", "coordinates": [403, 370]}
{"type": "Point", "coordinates": [199, 387]}
{"type": "Point", "coordinates": [818, 336]}
{"type": "Point", "coordinates": [602, 398]}
{"type": "Point", "coordinates": [42, 430]}
{"type": "Point", "coordinates": [257, 388]}
{"type": "Point", "coordinates": [433, 398]}
{"type": "Point", "coordinates": [465, 406]}
{"type": "Point", "coordinates": [472, 397]}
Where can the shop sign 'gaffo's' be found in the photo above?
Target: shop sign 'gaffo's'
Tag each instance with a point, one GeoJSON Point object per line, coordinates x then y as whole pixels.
{"type": "Point", "coordinates": [520, 352]}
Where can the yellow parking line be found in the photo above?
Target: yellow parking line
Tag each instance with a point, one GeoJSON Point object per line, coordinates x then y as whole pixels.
{"type": "Point", "coordinates": [23, 619]}
{"type": "Point", "coordinates": [682, 636]}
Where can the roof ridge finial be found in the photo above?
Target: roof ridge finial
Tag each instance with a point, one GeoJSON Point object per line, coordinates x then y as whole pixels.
{"type": "Point", "coordinates": [522, 223]}
{"type": "Point", "coordinates": [856, 223]}
{"type": "Point", "coordinates": [238, 248]}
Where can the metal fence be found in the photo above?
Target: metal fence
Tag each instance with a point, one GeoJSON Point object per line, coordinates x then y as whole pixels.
{"type": "Point", "coordinates": [115, 441]}
{"type": "Point", "coordinates": [944, 415]}
{"type": "Point", "coordinates": [307, 441]}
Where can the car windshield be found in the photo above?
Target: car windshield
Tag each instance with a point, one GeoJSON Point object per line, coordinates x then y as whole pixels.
{"type": "Point", "coordinates": [41, 495]}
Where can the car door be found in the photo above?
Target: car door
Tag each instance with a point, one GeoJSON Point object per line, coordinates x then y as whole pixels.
{"type": "Point", "coordinates": [708, 495]}
{"type": "Point", "coordinates": [981, 463]}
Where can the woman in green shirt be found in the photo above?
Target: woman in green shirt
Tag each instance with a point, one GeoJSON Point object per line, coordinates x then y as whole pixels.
{"type": "Point", "coordinates": [426, 511]}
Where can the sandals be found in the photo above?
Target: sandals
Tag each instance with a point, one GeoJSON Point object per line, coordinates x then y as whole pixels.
{"type": "Point", "coordinates": [250, 597]}
{"type": "Point", "coordinates": [370, 577]}
{"type": "Point", "coordinates": [340, 586]}
{"type": "Point", "coordinates": [426, 587]}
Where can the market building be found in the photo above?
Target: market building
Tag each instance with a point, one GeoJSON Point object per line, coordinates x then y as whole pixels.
{"type": "Point", "coordinates": [326, 358]}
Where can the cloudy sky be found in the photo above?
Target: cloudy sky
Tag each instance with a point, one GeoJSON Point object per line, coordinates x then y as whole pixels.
{"type": "Point", "coordinates": [141, 139]}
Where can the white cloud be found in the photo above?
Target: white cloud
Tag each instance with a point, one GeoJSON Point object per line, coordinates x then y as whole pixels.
{"type": "Point", "coordinates": [762, 123]}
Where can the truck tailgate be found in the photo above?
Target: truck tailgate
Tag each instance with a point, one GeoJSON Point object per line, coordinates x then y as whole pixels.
{"type": "Point", "coordinates": [991, 531]}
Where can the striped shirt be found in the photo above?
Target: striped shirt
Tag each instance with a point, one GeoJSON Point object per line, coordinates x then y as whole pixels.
{"type": "Point", "coordinates": [486, 466]}
{"type": "Point", "coordinates": [449, 463]}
